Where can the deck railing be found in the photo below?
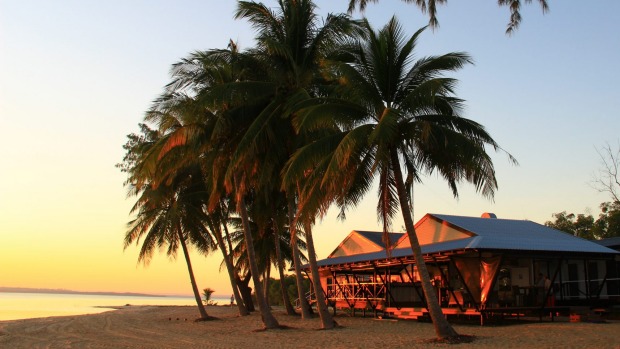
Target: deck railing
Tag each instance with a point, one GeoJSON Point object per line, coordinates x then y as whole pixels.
{"type": "Point", "coordinates": [366, 290]}
{"type": "Point", "coordinates": [374, 291]}
{"type": "Point", "coordinates": [580, 289]}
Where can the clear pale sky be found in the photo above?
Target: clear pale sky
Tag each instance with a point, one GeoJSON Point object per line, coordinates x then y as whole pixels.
{"type": "Point", "coordinates": [77, 76]}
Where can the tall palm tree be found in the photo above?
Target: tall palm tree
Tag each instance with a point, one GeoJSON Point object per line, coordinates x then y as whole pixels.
{"type": "Point", "coordinates": [392, 114]}
{"type": "Point", "coordinates": [292, 46]}
{"type": "Point", "coordinates": [208, 137]}
{"type": "Point", "coordinates": [171, 215]}
{"type": "Point", "coordinates": [430, 6]}
{"type": "Point", "coordinates": [165, 214]}
{"type": "Point", "coordinates": [209, 87]}
{"type": "Point", "coordinates": [281, 70]}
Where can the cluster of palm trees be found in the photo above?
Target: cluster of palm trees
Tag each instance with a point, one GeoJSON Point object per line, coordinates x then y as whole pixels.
{"type": "Point", "coordinates": [266, 139]}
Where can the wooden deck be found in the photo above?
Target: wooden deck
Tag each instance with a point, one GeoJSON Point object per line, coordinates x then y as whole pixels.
{"type": "Point", "coordinates": [353, 305]}
{"type": "Point", "coordinates": [377, 308]}
{"type": "Point", "coordinates": [518, 312]}
{"type": "Point", "coordinates": [415, 313]}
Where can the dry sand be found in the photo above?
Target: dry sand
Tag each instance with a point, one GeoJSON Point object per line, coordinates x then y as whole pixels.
{"type": "Point", "coordinates": [173, 327]}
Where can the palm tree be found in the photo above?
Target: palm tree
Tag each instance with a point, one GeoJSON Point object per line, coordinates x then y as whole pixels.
{"type": "Point", "coordinates": [292, 47]}
{"type": "Point", "coordinates": [430, 6]}
{"type": "Point", "coordinates": [392, 114]}
{"type": "Point", "coordinates": [206, 294]}
{"type": "Point", "coordinates": [165, 214]}
{"type": "Point", "coordinates": [207, 76]}
{"type": "Point", "coordinates": [280, 71]}
{"type": "Point", "coordinates": [185, 135]}
{"type": "Point", "coordinates": [206, 133]}
{"type": "Point", "coordinates": [170, 216]}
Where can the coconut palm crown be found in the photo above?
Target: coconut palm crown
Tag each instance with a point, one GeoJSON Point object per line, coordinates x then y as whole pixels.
{"type": "Point", "coordinates": [430, 7]}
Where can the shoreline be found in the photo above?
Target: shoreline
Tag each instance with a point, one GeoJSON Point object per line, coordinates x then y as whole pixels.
{"type": "Point", "coordinates": [73, 292]}
{"type": "Point", "coordinates": [174, 327]}
{"type": "Point", "coordinates": [15, 306]}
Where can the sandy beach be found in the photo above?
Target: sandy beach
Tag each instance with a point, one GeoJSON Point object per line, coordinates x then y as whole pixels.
{"type": "Point", "coordinates": [174, 327]}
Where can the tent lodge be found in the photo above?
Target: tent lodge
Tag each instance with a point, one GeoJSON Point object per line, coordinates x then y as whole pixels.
{"type": "Point", "coordinates": [478, 266]}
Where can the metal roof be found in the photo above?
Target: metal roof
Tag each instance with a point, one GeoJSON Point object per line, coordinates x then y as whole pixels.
{"type": "Point", "coordinates": [609, 242]}
{"type": "Point", "coordinates": [398, 253]}
{"type": "Point", "coordinates": [490, 234]}
{"type": "Point", "coordinates": [510, 234]}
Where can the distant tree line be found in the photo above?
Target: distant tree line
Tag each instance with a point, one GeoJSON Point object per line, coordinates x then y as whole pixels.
{"type": "Point", "coordinates": [607, 224]}
{"type": "Point", "coordinates": [606, 180]}
{"type": "Point", "coordinates": [275, 296]}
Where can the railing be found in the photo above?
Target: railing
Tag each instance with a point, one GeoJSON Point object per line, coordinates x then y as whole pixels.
{"type": "Point", "coordinates": [574, 289]}
{"type": "Point", "coordinates": [580, 289]}
{"type": "Point", "coordinates": [309, 296]}
{"type": "Point", "coordinates": [366, 290]}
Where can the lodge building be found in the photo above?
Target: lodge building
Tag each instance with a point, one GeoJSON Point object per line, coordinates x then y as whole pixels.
{"type": "Point", "coordinates": [477, 265]}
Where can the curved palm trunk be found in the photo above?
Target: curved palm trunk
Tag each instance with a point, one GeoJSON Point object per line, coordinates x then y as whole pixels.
{"type": "Point", "coordinates": [285, 299]}
{"type": "Point", "coordinates": [269, 320]}
{"type": "Point", "coordinates": [306, 312]}
{"type": "Point", "coordinates": [327, 321]}
{"type": "Point", "coordinates": [201, 307]}
{"type": "Point", "coordinates": [243, 311]}
{"type": "Point", "coordinates": [243, 300]}
{"type": "Point", "coordinates": [443, 329]}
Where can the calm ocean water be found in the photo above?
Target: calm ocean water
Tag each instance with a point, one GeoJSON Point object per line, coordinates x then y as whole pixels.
{"type": "Point", "coordinates": [15, 306]}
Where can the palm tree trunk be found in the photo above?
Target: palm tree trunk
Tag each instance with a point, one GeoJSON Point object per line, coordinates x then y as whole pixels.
{"type": "Point", "coordinates": [246, 291]}
{"type": "Point", "coordinates": [306, 313]}
{"type": "Point", "coordinates": [269, 320]}
{"type": "Point", "coordinates": [230, 247]}
{"type": "Point", "coordinates": [267, 284]}
{"type": "Point", "coordinates": [239, 286]}
{"type": "Point", "coordinates": [443, 329]}
{"type": "Point", "coordinates": [243, 311]}
{"type": "Point", "coordinates": [285, 299]}
{"type": "Point", "coordinates": [327, 321]}
{"type": "Point", "coordinates": [201, 307]}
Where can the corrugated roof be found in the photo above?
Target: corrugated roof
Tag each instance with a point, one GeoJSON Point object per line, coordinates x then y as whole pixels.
{"type": "Point", "coordinates": [399, 252]}
{"type": "Point", "coordinates": [609, 242]}
{"type": "Point", "coordinates": [490, 234]}
{"type": "Point", "coordinates": [510, 234]}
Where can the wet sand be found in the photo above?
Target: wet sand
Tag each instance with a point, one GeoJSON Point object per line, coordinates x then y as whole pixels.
{"type": "Point", "coordinates": [174, 327]}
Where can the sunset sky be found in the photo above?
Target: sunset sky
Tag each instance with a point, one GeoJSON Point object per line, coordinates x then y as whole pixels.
{"type": "Point", "coordinates": [77, 76]}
